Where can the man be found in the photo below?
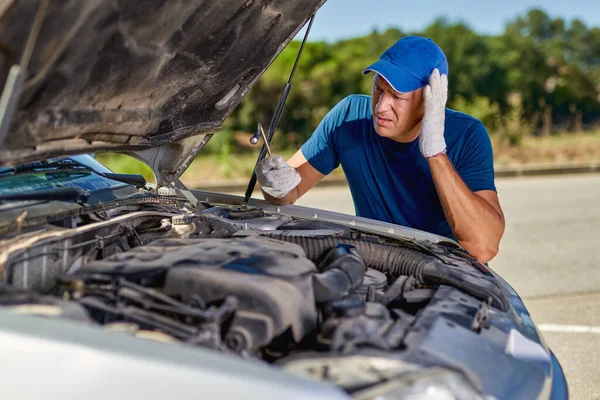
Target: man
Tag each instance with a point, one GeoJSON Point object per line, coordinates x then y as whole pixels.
{"type": "Point", "coordinates": [407, 158]}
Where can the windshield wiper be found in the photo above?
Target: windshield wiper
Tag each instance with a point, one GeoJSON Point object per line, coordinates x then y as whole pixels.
{"type": "Point", "coordinates": [131, 179]}
{"type": "Point", "coordinates": [60, 193]}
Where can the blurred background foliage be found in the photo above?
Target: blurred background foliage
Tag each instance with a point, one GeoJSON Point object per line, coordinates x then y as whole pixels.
{"type": "Point", "coordinates": [540, 77]}
{"type": "Point", "coordinates": [536, 87]}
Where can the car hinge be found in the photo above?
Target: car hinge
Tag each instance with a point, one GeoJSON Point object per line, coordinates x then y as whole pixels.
{"type": "Point", "coordinates": [169, 161]}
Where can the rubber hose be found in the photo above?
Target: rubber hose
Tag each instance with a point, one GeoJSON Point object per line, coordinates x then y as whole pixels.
{"type": "Point", "coordinates": [395, 290]}
{"type": "Point", "coordinates": [343, 272]}
{"type": "Point", "coordinates": [399, 261]}
{"type": "Point", "coordinates": [380, 256]}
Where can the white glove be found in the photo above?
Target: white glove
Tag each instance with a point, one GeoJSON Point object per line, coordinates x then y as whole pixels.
{"type": "Point", "coordinates": [276, 177]}
{"type": "Point", "coordinates": [431, 139]}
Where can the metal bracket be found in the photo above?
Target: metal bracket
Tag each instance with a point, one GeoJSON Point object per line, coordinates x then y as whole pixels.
{"type": "Point", "coordinates": [181, 188]}
{"type": "Point", "coordinates": [170, 161]}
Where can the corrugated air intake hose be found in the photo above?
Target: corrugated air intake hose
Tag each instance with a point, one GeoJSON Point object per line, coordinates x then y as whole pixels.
{"type": "Point", "coordinates": [396, 260]}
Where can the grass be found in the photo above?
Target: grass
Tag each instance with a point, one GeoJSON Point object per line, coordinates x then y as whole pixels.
{"type": "Point", "coordinates": [222, 165]}
{"type": "Point", "coordinates": [565, 147]}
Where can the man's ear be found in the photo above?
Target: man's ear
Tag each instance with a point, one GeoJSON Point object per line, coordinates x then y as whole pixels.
{"type": "Point", "coordinates": [420, 93]}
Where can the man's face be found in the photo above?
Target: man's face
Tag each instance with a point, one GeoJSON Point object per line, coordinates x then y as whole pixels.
{"type": "Point", "coordinates": [396, 115]}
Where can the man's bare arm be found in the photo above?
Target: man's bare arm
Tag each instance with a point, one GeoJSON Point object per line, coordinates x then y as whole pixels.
{"type": "Point", "coordinates": [310, 177]}
{"type": "Point", "coordinates": [476, 218]}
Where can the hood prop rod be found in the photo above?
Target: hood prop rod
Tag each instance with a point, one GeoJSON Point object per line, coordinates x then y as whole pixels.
{"type": "Point", "coordinates": [276, 116]}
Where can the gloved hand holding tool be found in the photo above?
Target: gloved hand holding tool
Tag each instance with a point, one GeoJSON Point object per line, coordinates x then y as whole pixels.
{"type": "Point", "coordinates": [431, 138]}
{"type": "Point", "coordinates": [276, 177]}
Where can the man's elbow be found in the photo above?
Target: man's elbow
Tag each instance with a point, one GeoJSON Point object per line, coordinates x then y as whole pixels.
{"type": "Point", "coordinates": [485, 252]}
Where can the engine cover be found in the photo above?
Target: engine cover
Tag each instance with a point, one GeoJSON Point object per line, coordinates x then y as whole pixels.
{"type": "Point", "coordinates": [271, 280]}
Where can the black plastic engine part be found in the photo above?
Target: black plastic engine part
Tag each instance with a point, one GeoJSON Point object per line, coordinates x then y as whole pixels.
{"type": "Point", "coordinates": [342, 273]}
{"type": "Point", "coordinates": [110, 299]}
{"type": "Point", "coordinates": [271, 280]}
{"type": "Point", "coordinates": [419, 295]}
{"type": "Point", "coordinates": [107, 312]}
{"type": "Point", "coordinates": [396, 289]}
{"type": "Point", "coordinates": [373, 286]}
{"type": "Point", "coordinates": [351, 323]}
{"type": "Point", "coordinates": [272, 284]}
{"type": "Point", "coordinates": [406, 290]}
{"type": "Point", "coordinates": [398, 261]}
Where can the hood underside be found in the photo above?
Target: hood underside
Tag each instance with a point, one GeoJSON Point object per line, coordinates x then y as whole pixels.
{"type": "Point", "coordinates": [131, 75]}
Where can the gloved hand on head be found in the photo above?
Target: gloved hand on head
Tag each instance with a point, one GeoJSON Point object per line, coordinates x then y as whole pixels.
{"type": "Point", "coordinates": [276, 177]}
{"type": "Point", "coordinates": [431, 138]}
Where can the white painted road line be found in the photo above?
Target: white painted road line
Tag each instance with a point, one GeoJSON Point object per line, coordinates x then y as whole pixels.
{"type": "Point", "coordinates": [569, 328]}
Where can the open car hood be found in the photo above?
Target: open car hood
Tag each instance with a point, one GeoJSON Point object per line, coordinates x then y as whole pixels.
{"type": "Point", "coordinates": [153, 78]}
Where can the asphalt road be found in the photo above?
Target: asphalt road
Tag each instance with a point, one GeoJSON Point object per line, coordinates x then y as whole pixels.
{"type": "Point", "coordinates": [550, 254]}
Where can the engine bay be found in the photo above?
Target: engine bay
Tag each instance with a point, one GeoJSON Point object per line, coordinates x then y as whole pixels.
{"type": "Point", "coordinates": [236, 279]}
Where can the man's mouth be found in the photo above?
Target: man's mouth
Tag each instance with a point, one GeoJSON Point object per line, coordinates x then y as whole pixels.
{"type": "Point", "coordinates": [382, 121]}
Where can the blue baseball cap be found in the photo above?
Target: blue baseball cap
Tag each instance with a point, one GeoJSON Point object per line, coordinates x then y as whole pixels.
{"type": "Point", "coordinates": [408, 64]}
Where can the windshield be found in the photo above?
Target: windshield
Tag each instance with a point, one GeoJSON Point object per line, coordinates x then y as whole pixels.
{"type": "Point", "coordinates": [57, 173]}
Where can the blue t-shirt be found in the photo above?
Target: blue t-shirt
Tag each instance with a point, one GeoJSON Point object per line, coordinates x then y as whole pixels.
{"type": "Point", "coordinates": [391, 181]}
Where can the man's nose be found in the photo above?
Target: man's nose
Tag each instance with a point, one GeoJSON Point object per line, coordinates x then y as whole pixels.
{"type": "Point", "coordinates": [384, 102]}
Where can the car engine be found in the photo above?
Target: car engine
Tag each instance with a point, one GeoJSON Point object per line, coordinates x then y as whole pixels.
{"type": "Point", "coordinates": [236, 279]}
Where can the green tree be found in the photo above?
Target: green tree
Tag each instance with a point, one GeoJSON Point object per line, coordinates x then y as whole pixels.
{"type": "Point", "coordinates": [541, 72]}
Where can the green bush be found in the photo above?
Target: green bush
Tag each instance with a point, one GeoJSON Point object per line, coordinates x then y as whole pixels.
{"type": "Point", "coordinates": [481, 108]}
{"type": "Point", "coordinates": [124, 164]}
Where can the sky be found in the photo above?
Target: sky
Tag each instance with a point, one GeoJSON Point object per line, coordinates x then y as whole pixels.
{"type": "Point", "coordinates": [340, 19]}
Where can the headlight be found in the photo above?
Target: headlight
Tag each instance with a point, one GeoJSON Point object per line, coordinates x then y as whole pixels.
{"type": "Point", "coordinates": [403, 380]}
{"type": "Point", "coordinates": [429, 385]}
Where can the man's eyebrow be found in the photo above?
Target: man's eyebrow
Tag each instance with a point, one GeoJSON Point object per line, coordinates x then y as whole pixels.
{"type": "Point", "coordinates": [382, 84]}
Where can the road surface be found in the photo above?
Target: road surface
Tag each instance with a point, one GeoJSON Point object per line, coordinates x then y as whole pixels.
{"type": "Point", "coordinates": [550, 254]}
